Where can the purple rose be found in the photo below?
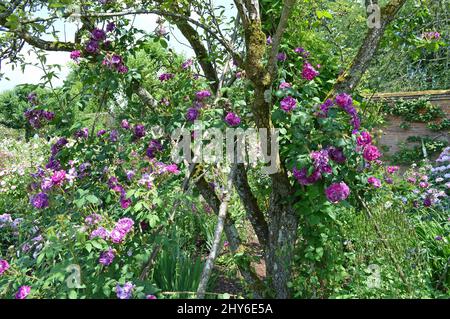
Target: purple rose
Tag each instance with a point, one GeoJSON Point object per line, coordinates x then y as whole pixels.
{"type": "Point", "coordinates": [98, 35]}
{"type": "Point", "coordinates": [371, 153]}
{"type": "Point", "coordinates": [232, 119]}
{"type": "Point", "coordinates": [75, 55]}
{"type": "Point", "coordinates": [192, 114]}
{"type": "Point", "coordinates": [58, 177]}
{"type": "Point", "coordinates": [125, 292]}
{"type": "Point", "coordinates": [40, 201]}
{"type": "Point", "coordinates": [336, 154]}
{"type": "Point", "coordinates": [288, 104]}
{"type": "Point", "coordinates": [23, 292]}
{"type": "Point", "coordinates": [139, 131]}
{"type": "Point", "coordinates": [4, 266]}
{"type": "Point", "coordinates": [375, 182]}
{"type": "Point", "coordinates": [308, 72]}
{"type": "Point", "coordinates": [344, 100]}
{"type": "Point", "coordinates": [166, 77]}
{"type": "Point", "coordinates": [92, 47]}
{"type": "Point", "coordinates": [337, 192]}
{"type": "Point", "coordinates": [364, 139]}
{"type": "Point", "coordinates": [201, 95]}
{"type": "Point", "coordinates": [302, 176]}
{"type": "Point", "coordinates": [107, 257]}
{"type": "Point", "coordinates": [110, 26]}
{"type": "Point", "coordinates": [281, 56]}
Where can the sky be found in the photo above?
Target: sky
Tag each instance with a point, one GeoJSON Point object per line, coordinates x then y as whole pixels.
{"type": "Point", "coordinates": [32, 75]}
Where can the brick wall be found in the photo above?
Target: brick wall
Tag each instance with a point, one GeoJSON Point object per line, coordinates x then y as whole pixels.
{"type": "Point", "coordinates": [393, 134]}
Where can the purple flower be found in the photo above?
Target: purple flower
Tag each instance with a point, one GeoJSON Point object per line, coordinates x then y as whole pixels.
{"type": "Point", "coordinates": [232, 119]}
{"type": "Point", "coordinates": [201, 95]}
{"type": "Point", "coordinates": [32, 98]}
{"type": "Point", "coordinates": [288, 104]}
{"type": "Point", "coordinates": [107, 257]}
{"type": "Point", "coordinates": [364, 139]}
{"type": "Point", "coordinates": [375, 182]}
{"type": "Point", "coordinates": [153, 148]}
{"type": "Point", "coordinates": [192, 114]}
{"type": "Point", "coordinates": [116, 236]}
{"type": "Point", "coordinates": [284, 85]}
{"type": "Point", "coordinates": [308, 72]}
{"type": "Point", "coordinates": [93, 219]}
{"type": "Point", "coordinates": [46, 184]}
{"type": "Point", "coordinates": [98, 34]}
{"type": "Point", "coordinates": [269, 40]}
{"type": "Point", "coordinates": [139, 131]}
{"type": "Point", "coordinates": [344, 100]}
{"type": "Point", "coordinates": [427, 202]}
{"type": "Point", "coordinates": [302, 176]}
{"type": "Point", "coordinates": [150, 297]}
{"type": "Point", "coordinates": [299, 50]}
{"type": "Point", "coordinates": [75, 55]}
{"type": "Point", "coordinates": [336, 154]}
{"type": "Point", "coordinates": [325, 107]}
{"type": "Point", "coordinates": [388, 180]}
{"type": "Point", "coordinates": [187, 64]}
{"type": "Point", "coordinates": [53, 164]}
{"type": "Point", "coordinates": [40, 201]}
{"type": "Point", "coordinates": [124, 225]}
{"type": "Point", "coordinates": [172, 168]}
{"type": "Point", "coordinates": [337, 192]}
{"type": "Point", "coordinates": [125, 202]}
{"type": "Point", "coordinates": [130, 175]}
{"type": "Point", "coordinates": [423, 185]}
{"type": "Point", "coordinates": [83, 133]}
{"type": "Point", "coordinates": [125, 292]}
{"type": "Point", "coordinates": [321, 161]}
{"type": "Point", "coordinates": [100, 233]}
{"type": "Point", "coordinates": [110, 26]}
{"type": "Point", "coordinates": [438, 238]}
{"type": "Point", "coordinates": [122, 69]}
{"type": "Point", "coordinates": [4, 266]}
{"type": "Point", "coordinates": [101, 132]}
{"type": "Point", "coordinates": [124, 124]}
{"type": "Point", "coordinates": [355, 122]}
{"type": "Point", "coordinates": [58, 177]}
{"type": "Point", "coordinates": [281, 56]}
{"type": "Point", "coordinates": [92, 47]}
{"type": "Point", "coordinates": [371, 153]}
{"type": "Point", "coordinates": [392, 169]}
{"type": "Point", "coordinates": [166, 77]}
{"type": "Point", "coordinates": [23, 292]}
{"type": "Point", "coordinates": [114, 136]}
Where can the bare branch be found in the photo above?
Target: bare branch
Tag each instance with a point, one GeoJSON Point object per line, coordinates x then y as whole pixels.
{"type": "Point", "coordinates": [209, 264]}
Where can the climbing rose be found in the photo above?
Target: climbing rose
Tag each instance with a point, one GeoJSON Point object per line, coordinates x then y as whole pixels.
{"type": "Point", "coordinates": [58, 177]}
{"type": "Point", "coordinates": [166, 77]}
{"type": "Point", "coordinates": [139, 131]}
{"type": "Point", "coordinates": [201, 95]}
{"type": "Point", "coordinates": [325, 107]}
{"type": "Point", "coordinates": [40, 201]}
{"type": "Point", "coordinates": [321, 161]}
{"type": "Point", "coordinates": [192, 114]}
{"type": "Point", "coordinates": [302, 176]}
{"type": "Point", "coordinates": [392, 169]}
{"type": "Point", "coordinates": [100, 233]}
{"type": "Point", "coordinates": [371, 153]}
{"type": "Point", "coordinates": [281, 56]}
{"type": "Point", "coordinates": [124, 202]}
{"type": "Point", "coordinates": [172, 168]}
{"type": "Point", "coordinates": [110, 27]}
{"type": "Point", "coordinates": [153, 148]}
{"type": "Point", "coordinates": [124, 124]}
{"type": "Point", "coordinates": [92, 47]}
{"type": "Point", "coordinates": [232, 119]}
{"type": "Point", "coordinates": [336, 155]}
{"type": "Point", "coordinates": [98, 35]}
{"type": "Point", "coordinates": [337, 192]}
{"type": "Point", "coordinates": [344, 100]}
{"type": "Point", "coordinates": [285, 85]}
{"type": "Point", "coordinates": [375, 182]}
{"type": "Point", "coordinates": [308, 72]}
{"type": "Point", "coordinates": [124, 292]}
{"type": "Point", "coordinates": [4, 266]}
{"type": "Point", "coordinates": [288, 104]}
{"type": "Point", "coordinates": [187, 64]}
{"type": "Point", "coordinates": [364, 139]}
{"type": "Point", "coordinates": [75, 55]}
{"type": "Point", "coordinates": [107, 257]}
{"type": "Point", "coordinates": [23, 292]}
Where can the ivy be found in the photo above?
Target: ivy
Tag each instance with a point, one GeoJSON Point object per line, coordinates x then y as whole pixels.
{"type": "Point", "coordinates": [418, 111]}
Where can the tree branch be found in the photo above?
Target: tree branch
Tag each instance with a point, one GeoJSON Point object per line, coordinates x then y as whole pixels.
{"type": "Point", "coordinates": [348, 81]}
{"type": "Point", "coordinates": [209, 264]}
